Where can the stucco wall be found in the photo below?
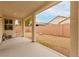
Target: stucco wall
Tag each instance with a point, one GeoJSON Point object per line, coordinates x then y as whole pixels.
{"type": "Point", "coordinates": [1, 29]}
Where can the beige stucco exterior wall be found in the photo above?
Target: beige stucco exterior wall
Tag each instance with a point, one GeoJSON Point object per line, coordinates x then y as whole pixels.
{"type": "Point", "coordinates": [78, 28]}
{"type": "Point", "coordinates": [16, 32]}
{"type": "Point", "coordinates": [10, 32]}
{"type": "Point", "coordinates": [1, 29]}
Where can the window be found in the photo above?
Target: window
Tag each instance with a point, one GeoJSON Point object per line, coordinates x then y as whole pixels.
{"type": "Point", "coordinates": [8, 24]}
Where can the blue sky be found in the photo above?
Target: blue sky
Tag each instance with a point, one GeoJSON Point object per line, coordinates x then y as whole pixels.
{"type": "Point", "coordinates": [61, 9]}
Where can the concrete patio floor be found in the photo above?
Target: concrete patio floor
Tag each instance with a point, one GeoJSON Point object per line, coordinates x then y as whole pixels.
{"type": "Point", "coordinates": [23, 47]}
{"type": "Point", "coordinates": [60, 44]}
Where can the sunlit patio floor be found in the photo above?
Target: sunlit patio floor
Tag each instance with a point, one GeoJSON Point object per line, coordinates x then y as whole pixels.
{"type": "Point", "coordinates": [23, 47]}
{"type": "Point", "coordinates": [60, 44]}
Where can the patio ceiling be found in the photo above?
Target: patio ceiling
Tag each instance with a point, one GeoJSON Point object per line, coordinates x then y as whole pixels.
{"type": "Point", "coordinates": [20, 9]}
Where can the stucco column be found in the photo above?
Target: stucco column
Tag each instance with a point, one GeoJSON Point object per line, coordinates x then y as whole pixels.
{"type": "Point", "coordinates": [33, 28]}
{"type": "Point", "coordinates": [23, 28]}
{"type": "Point", "coordinates": [78, 29]}
{"type": "Point", "coordinates": [74, 28]}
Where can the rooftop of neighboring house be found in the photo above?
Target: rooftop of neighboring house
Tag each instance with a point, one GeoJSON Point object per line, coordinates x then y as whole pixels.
{"type": "Point", "coordinates": [57, 20]}
{"type": "Point", "coordinates": [60, 20]}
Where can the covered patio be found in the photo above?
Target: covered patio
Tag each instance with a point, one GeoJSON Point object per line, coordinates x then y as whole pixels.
{"type": "Point", "coordinates": [18, 45]}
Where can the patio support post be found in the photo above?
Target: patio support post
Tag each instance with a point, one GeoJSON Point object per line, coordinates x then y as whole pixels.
{"type": "Point", "coordinates": [33, 28]}
{"type": "Point", "coordinates": [74, 29]}
{"type": "Point", "coordinates": [23, 28]}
